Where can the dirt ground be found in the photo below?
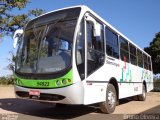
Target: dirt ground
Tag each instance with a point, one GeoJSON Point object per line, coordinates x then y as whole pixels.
{"type": "Point", "coordinates": [34, 110]}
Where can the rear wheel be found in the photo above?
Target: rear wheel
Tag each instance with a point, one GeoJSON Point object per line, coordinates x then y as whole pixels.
{"type": "Point", "coordinates": [142, 97]}
{"type": "Point", "coordinates": [109, 105]}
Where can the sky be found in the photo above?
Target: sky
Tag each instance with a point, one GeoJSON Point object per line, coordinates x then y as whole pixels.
{"type": "Point", "coordinates": [139, 20]}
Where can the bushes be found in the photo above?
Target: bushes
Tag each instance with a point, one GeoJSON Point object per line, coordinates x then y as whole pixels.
{"type": "Point", "coordinates": [6, 80]}
{"type": "Point", "coordinates": [156, 83]}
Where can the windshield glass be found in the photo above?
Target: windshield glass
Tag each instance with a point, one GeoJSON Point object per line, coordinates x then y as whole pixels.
{"type": "Point", "coordinates": [47, 43]}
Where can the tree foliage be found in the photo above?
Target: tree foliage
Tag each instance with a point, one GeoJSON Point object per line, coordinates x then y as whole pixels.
{"type": "Point", "coordinates": [11, 61]}
{"type": "Point", "coordinates": [6, 80]}
{"type": "Point", "coordinates": [154, 51]}
{"type": "Point", "coordinates": [10, 21]}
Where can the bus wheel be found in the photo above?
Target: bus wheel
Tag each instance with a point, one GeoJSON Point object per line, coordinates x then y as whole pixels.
{"type": "Point", "coordinates": [109, 105]}
{"type": "Point", "coordinates": [59, 105]}
{"type": "Point", "coordinates": [142, 97]}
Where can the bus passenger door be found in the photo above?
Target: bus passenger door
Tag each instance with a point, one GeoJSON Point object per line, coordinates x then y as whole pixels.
{"type": "Point", "coordinates": [94, 90]}
{"type": "Point", "coordinates": [95, 46]}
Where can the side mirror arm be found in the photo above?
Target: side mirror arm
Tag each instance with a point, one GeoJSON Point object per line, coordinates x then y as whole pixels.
{"type": "Point", "coordinates": [16, 36]}
{"type": "Point", "coordinates": [97, 26]}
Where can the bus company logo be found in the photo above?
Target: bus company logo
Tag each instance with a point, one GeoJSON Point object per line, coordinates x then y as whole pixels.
{"type": "Point", "coordinates": [112, 63]}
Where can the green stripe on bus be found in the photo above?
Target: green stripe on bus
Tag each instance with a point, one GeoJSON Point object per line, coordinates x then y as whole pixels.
{"type": "Point", "coordinates": [51, 83]}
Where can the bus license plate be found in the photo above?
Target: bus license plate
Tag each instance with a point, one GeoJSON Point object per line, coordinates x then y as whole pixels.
{"type": "Point", "coordinates": [34, 92]}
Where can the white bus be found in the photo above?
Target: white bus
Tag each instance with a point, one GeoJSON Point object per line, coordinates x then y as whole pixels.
{"type": "Point", "coordinates": [73, 56]}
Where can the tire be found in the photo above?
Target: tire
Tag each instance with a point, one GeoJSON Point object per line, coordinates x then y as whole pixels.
{"type": "Point", "coordinates": [47, 103]}
{"type": "Point", "coordinates": [142, 97]}
{"type": "Point", "coordinates": [109, 105]}
{"type": "Point", "coordinates": [117, 103]}
{"type": "Point", "coordinates": [59, 105]}
{"type": "Point", "coordinates": [135, 98]}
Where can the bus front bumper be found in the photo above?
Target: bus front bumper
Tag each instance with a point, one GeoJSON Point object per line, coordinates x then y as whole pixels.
{"type": "Point", "coordinates": [73, 94]}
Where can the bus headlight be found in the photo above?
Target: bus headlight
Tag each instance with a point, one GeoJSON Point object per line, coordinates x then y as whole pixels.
{"type": "Point", "coordinates": [58, 82]}
{"type": "Point", "coordinates": [64, 81]}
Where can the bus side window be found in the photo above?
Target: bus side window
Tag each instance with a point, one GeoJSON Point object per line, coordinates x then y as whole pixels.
{"type": "Point", "coordinates": [149, 62]}
{"type": "Point", "coordinates": [124, 51]}
{"type": "Point", "coordinates": [145, 61]}
{"type": "Point", "coordinates": [140, 58]}
{"type": "Point", "coordinates": [112, 47]}
{"type": "Point", "coordinates": [133, 54]}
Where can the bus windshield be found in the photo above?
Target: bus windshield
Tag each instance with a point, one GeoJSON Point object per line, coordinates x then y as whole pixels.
{"type": "Point", "coordinates": [47, 43]}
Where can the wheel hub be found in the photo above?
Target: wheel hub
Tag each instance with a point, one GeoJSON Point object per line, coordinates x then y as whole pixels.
{"type": "Point", "coordinates": [111, 99]}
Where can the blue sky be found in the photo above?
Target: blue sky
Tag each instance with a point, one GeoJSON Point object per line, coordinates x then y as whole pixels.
{"type": "Point", "coordinates": [139, 20]}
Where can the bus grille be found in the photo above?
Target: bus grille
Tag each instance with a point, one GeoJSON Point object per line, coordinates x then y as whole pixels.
{"type": "Point", "coordinates": [43, 96]}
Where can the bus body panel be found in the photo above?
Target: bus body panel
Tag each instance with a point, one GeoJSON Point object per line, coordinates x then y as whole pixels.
{"type": "Point", "coordinates": [95, 85]}
{"type": "Point", "coordinates": [73, 94]}
{"type": "Point", "coordinates": [92, 89]}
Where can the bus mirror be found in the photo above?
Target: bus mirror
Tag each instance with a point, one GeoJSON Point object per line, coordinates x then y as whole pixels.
{"type": "Point", "coordinates": [16, 37]}
{"type": "Point", "coordinates": [97, 30]}
{"type": "Point", "coordinates": [96, 25]}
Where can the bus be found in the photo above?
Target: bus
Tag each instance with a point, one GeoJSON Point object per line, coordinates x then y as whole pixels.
{"type": "Point", "coordinates": [73, 56]}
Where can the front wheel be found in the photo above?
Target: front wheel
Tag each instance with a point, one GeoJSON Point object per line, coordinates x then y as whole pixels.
{"type": "Point", "coordinates": [59, 105]}
{"type": "Point", "coordinates": [109, 105]}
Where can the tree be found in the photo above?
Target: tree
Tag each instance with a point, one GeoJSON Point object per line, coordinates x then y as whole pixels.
{"type": "Point", "coordinates": [154, 51]}
{"type": "Point", "coordinates": [9, 22]}
{"type": "Point", "coordinates": [11, 61]}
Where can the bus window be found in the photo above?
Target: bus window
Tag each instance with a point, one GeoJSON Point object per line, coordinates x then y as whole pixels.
{"type": "Point", "coordinates": [64, 45]}
{"type": "Point", "coordinates": [112, 47]}
{"type": "Point", "coordinates": [145, 61]}
{"type": "Point", "coordinates": [140, 58]}
{"type": "Point", "coordinates": [133, 54]}
{"type": "Point", "coordinates": [124, 52]}
{"type": "Point", "coordinates": [80, 51]}
{"type": "Point", "coordinates": [95, 51]}
{"type": "Point", "coordinates": [149, 62]}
